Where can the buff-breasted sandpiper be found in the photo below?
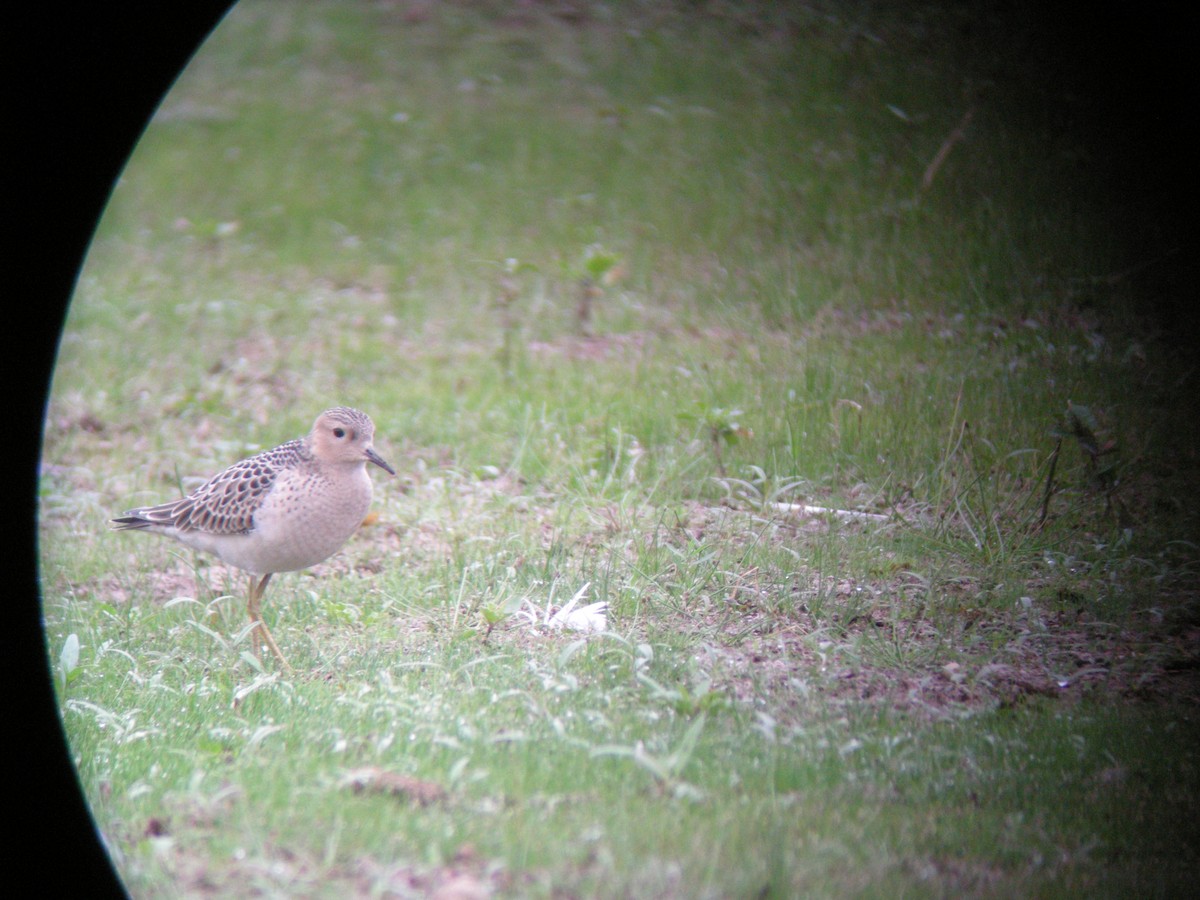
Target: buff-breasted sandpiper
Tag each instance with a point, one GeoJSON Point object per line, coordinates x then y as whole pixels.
{"type": "Point", "coordinates": [279, 511]}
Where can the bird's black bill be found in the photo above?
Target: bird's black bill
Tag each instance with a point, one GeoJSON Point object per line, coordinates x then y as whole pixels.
{"type": "Point", "coordinates": [379, 461]}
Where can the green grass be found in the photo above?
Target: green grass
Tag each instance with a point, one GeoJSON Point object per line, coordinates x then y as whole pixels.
{"type": "Point", "coordinates": [395, 208]}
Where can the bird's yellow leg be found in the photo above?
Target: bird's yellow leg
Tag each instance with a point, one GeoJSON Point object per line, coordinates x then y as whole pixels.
{"type": "Point", "coordinates": [254, 607]}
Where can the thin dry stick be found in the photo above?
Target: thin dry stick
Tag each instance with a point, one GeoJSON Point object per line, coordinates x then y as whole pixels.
{"type": "Point", "coordinates": [1049, 483]}
{"type": "Point", "coordinates": [830, 511]}
{"type": "Point", "coordinates": [943, 151]}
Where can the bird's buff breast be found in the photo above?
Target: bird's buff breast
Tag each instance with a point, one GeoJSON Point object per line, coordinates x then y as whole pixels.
{"type": "Point", "coordinates": [299, 528]}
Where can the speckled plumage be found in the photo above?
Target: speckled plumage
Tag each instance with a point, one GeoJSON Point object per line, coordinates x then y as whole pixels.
{"type": "Point", "coordinates": [224, 504]}
{"type": "Point", "coordinates": [282, 510]}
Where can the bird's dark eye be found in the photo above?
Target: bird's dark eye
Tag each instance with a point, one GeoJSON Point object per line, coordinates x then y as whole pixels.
{"type": "Point", "coordinates": [339, 432]}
